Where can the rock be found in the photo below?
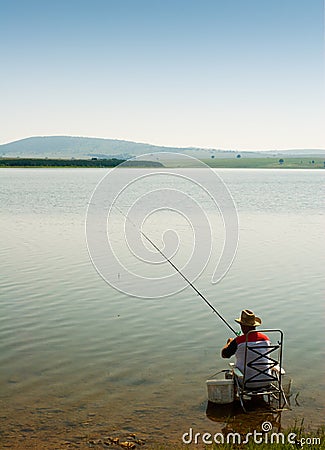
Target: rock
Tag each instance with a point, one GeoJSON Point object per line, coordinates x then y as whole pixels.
{"type": "Point", "coordinates": [95, 441]}
{"type": "Point", "coordinates": [128, 444]}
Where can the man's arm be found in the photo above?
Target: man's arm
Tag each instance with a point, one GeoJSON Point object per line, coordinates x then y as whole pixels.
{"type": "Point", "coordinates": [229, 349]}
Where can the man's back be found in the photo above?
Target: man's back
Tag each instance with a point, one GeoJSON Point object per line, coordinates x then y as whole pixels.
{"type": "Point", "coordinates": [261, 343]}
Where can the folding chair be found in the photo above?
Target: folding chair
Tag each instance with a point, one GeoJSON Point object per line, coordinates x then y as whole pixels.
{"type": "Point", "coordinates": [262, 375]}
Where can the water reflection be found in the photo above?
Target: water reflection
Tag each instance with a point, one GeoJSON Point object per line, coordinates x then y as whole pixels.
{"type": "Point", "coordinates": [236, 421]}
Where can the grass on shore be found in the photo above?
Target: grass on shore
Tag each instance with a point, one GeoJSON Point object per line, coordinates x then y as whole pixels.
{"type": "Point", "coordinates": [293, 438]}
{"type": "Point", "coordinates": [231, 163]}
{"type": "Point", "coordinates": [267, 163]}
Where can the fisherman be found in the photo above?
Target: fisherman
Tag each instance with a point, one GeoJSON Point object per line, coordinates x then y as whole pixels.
{"type": "Point", "coordinates": [236, 346]}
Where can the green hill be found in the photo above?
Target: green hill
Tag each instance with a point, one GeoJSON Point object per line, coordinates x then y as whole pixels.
{"type": "Point", "coordinates": [78, 147]}
{"type": "Point", "coordinates": [85, 147]}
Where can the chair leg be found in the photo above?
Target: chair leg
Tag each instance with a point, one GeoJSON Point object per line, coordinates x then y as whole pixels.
{"type": "Point", "coordinates": [242, 403]}
{"type": "Point", "coordinates": [285, 401]}
{"type": "Point", "coordinates": [240, 395]}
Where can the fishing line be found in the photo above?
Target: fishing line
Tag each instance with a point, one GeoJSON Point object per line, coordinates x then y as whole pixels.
{"type": "Point", "coordinates": [179, 272]}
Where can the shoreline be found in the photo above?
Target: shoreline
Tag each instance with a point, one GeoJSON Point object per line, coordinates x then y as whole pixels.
{"type": "Point", "coordinates": [94, 430]}
{"type": "Point", "coordinates": [310, 163]}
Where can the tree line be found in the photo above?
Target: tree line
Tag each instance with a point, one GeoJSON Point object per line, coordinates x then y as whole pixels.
{"type": "Point", "coordinates": [45, 162]}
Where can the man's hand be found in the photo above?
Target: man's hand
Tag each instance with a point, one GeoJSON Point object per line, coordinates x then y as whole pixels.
{"type": "Point", "coordinates": [229, 349]}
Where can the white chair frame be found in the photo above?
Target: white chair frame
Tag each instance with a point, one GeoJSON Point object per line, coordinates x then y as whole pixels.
{"type": "Point", "coordinates": [269, 373]}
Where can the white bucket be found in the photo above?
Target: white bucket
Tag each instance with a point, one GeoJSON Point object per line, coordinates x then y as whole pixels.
{"type": "Point", "coordinates": [220, 391]}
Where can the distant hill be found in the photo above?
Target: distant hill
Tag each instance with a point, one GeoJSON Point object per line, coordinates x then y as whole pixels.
{"type": "Point", "coordinates": [84, 147]}
{"type": "Point", "coordinates": [77, 147]}
{"type": "Point", "coordinates": [302, 152]}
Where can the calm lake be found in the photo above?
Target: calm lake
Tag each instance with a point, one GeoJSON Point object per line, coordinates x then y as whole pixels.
{"type": "Point", "coordinates": [80, 358]}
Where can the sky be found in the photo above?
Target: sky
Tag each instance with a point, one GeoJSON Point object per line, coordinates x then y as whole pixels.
{"type": "Point", "coordinates": [224, 74]}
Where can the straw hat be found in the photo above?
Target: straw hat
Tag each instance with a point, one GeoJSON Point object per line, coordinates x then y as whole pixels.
{"type": "Point", "coordinates": [249, 319]}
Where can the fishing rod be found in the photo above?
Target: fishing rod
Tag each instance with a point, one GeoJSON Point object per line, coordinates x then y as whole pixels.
{"type": "Point", "coordinates": [180, 273]}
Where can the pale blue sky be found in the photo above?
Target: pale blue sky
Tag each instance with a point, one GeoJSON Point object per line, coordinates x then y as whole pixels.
{"type": "Point", "coordinates": [240, 74]}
